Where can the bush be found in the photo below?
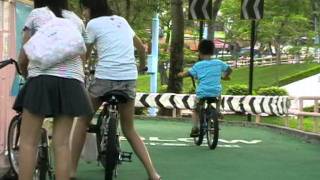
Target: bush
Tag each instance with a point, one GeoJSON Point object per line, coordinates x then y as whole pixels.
{"type": "Point", "coordinates": [163, 88]}
{"type": "Point", "coordinates": [190, 57]}
{"type": "Point", "coordinates": [237, 89]}
{"type": "Point", "coordinates": [140, 111]}
{"type": "Point", "coordinates": [299, 76]}
{"type": "Point", "coordinates": [272, 91]}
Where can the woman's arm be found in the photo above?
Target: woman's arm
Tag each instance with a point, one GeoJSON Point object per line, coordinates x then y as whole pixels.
{"type": "Point", "coordinates": [141, 52]}
{"type": "Point", "coordinates": [23, 60]}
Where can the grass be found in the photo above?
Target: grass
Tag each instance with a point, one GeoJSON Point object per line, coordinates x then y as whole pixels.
{"type": "Point", "coordinates": [263, 76]}
{"type": "Point", "coordinates": [308, 123]}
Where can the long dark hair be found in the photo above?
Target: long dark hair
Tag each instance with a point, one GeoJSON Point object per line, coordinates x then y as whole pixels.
{"type": "Point", "coordinates": [39, 3]}
{"type": "Point", "coordinates": [97, 8]}
{"type": "Point", "coordinates": [56, 6]}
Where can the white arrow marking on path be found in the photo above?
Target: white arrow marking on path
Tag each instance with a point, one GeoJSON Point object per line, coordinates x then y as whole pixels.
{"type": "Point", "coordinates": [192, 9]}
{"type": "Point", "coordinates": [204, 9]}
{"type": "Point", "coordinates": [256, 10]}
{"type": "Point", "coordinates": [244, 9]}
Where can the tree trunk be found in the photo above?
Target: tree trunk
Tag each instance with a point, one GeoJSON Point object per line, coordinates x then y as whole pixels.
{"type": "Point", "coordinates": [176, 52]}
{"type": "Point", "coordinates": [128, 8]}
{"type": "Point", "coordinates": [176, 47]}
{"type": "Point", "coordinates": [216, 7]}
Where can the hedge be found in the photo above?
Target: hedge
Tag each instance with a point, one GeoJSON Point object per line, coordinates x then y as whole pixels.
{"type": "Point", "coordinates": [299, 76]}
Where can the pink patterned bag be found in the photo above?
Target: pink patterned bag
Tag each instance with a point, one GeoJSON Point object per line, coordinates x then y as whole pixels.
{"type": "Point", "coordinates": [56, 41]}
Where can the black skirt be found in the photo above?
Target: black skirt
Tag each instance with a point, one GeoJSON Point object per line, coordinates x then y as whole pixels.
{"type": "Point", "coordinates": [52, 96]}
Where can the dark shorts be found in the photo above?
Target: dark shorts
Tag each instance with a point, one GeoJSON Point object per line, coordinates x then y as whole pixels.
{"type": "Point", "coordinates": [199, 103]}
{"type": "Point", "coordinates": [98, 87]}
{"type": "Point", "coordinates": [52, 96]}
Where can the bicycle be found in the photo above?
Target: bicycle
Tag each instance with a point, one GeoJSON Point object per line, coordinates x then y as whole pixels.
{"type": "Point", "coordinates": [209, 123]}
{"type": "Point", "coordinates": [108, 134]}
{"type": "Point", "coordinates": [107, 131]}
{"type": "Point", "coordinates": [43, 170]}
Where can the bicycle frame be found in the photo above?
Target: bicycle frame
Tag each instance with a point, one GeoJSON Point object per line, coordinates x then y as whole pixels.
{"type": "Point", "coordinates": [108, 135]}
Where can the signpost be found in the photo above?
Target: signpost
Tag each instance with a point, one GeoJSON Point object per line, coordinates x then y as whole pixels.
{"type": "Point", "coordinates": [200, 10]}
{"type": "Point", "coordinates": [252, 10]}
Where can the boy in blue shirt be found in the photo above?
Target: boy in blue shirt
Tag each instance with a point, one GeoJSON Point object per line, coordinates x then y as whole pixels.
{"type": "Point", "coordinates": [209, 73]}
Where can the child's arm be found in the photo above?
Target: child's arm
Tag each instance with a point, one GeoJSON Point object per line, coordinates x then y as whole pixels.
{"type": "Point", "coordinates": [226, 74]}
{"type": "Point", "coordinates": [183, 74]}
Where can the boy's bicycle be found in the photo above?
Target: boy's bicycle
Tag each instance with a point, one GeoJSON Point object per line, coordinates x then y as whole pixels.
{"type": "Point", "coordinates": [209, 121]}
{"type": "Point", "coordinates": [44, 170]}
{"type": "Point", "coordinates": [107, 133]}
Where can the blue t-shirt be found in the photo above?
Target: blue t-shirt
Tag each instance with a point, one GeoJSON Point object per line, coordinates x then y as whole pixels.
{"type": "Point", "coordinates": [208, 73]}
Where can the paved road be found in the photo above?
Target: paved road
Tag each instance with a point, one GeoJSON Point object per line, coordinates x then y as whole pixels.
{"type": "Point", "coordinates": [243, 153]}
{"type": "Point", "coordinates": [306, 87]}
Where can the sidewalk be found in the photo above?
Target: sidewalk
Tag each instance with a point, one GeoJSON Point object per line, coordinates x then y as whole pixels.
{"type": "Point", "coordinates": [306, 87]}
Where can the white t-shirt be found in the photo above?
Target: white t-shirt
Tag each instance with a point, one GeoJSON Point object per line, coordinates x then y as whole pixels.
{"type": "Point", "coordinates": [70, 68]}
{"type": "Point", "coordinates": [113, 38]}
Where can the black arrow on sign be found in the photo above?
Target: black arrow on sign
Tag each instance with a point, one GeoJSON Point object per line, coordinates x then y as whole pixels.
{"type": "Point", "coordinates": [252, 9]}
{"type": "Point", "coordinates": [200, 9]}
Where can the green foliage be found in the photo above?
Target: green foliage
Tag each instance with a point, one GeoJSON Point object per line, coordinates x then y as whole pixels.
{"type": "Point", "coordinates": [190, 57]}
{"type": "Point", "coordinates": [309, 109]}
{"type": "Point", "coordinates": [237, 89]}
{"type": "Point", "coordinates": [272, 91]}
{"type": "Point", "coordinates": [163, 88]}
{"type": "Point", "coordinates": [140, 111]}
{"type": "Point", "coordinates": [299, 75]}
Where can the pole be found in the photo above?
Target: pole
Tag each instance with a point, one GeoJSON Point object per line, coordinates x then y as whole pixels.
{"type": "Point", "coordinates": [252, 43]}
{"type": "Point", "coordinates": [201, 31]}
{"type": "Point", "coordinates": [316, 29]}
{"type": "Point", "coordinates": [155, 59]}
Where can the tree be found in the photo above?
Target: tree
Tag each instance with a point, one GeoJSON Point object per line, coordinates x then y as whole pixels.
{"type": "Point", "coordinates": [284, 23]}
{"type": "Point", "coordinates": [176, 48]}
{"type": "Point", "coordinates": [216, 7]}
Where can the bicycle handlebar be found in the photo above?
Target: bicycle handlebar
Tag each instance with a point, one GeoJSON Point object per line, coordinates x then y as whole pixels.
{"type": "Point", "coordinates": [10, 61]}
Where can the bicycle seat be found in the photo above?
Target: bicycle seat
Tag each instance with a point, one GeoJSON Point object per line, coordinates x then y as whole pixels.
{"type": "Point", "coordinates": [210, 99]}
{"type": "Point", "coordinates": [115, 97]}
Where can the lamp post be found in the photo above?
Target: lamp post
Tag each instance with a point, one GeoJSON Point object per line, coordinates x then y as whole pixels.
{"type": "Point", "coordinates": [153, 59]}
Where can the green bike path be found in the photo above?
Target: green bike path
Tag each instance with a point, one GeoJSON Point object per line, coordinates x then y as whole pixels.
{"type": "Point", "coordinates": [243, 153]}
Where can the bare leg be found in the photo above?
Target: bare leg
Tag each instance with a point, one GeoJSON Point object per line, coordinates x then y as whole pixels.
{"type": "Point", "coordinates": [126, 116]}
{"type": "Point", "coordinates": [195, 119]}
{"type": "Point", "coordinates": [78, 137]}
{"type": "Point", "coordinates": [29, 138]}
{"type": "Point", "coordinates": [61, 131]}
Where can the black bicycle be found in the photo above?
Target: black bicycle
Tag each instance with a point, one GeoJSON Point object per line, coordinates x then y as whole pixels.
{"type": "Point", "coordinates": [209, 121]}
{"type": "Point", "coordinates": [43, 170]}
{"type": "Point", "coordinates": [108, 135]}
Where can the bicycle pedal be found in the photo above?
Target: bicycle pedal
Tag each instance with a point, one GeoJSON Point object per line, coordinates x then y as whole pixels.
{"type": "Point", "coordinates": [126, 156]}
{"type": "Point", "coordinates": [92, 128]}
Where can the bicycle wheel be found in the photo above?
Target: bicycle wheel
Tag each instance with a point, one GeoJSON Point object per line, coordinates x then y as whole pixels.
{"type": "Point", "coordinates": [213, 128]}
{"type": "Point", "coordinates": [99, 131]}
{"type": "Point", "coordinates": [13, 143]}
{"type": "Point", "coordinates": [43, 169]}
{"type": "Point", "coordinates": [112, 147]}
{"type": "Point", "coordinates": [198, 140]}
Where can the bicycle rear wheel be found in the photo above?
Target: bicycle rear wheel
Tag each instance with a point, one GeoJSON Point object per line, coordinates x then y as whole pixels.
{"type": "Point", "coordinates": [99, 131]}
{"type": "Point", "coordinates": [213, 128]}
{"type": "Point", "coordinates": [112, 147]}
{"type": "Point", "coordinates": [43, 169]}
{"type": "Point", "coordinates": [13, 143]}
{"type": "Point", "coordinates": [198, 140]}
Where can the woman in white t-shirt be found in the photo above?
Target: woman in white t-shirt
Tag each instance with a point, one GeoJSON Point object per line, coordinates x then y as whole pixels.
{"type": "Point", "coordinates": [116, 69]}
{"type": "Point", "coordinates": [56, 92]}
